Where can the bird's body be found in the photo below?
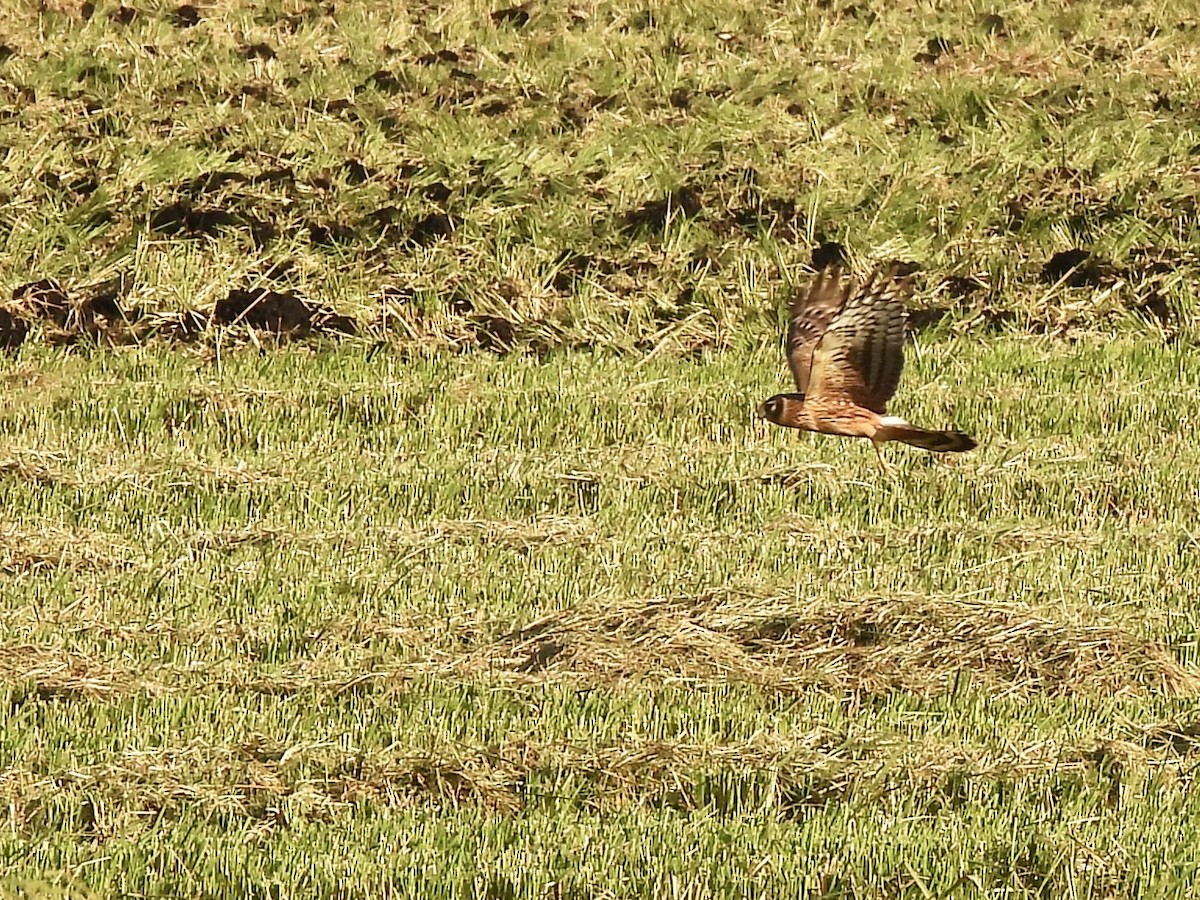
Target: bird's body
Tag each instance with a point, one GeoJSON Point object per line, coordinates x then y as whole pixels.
{"type": "Point", "coordinates": [846, 352]}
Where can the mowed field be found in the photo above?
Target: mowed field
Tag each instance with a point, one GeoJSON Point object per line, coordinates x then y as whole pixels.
{"type": "Point", "coordinates": [383, 513]}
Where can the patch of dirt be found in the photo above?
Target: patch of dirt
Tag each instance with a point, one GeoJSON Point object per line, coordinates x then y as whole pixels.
{"type": "Point", "coordinates": [1182, 738]}
{"type": "Point", "coordinates": [97, 313]}
{"type": "Point", "coordinates": [185, 16]}
{"type": "Point", "coordinates": [773, 213]}
{"type": "Point", "coordinates": [971, 305]}
{"type": "Point", "coordinates": [356, 172]}
{"type": "Point", "coordinates": [1136, 287]}
{"type": "Point", "coordinates": [935, 49]}
{"type": "Point", "coordinates": [961, 287]}
{"type": "Point", "coordinates": [63, 318]}
{"type": "Point", "coordinates": [571, 268]}
{"type": "Point", "coordinates": [284, 314]}
{"type": "Point", "coordinates": [383, 222]}
{"type": "Point", "coordinates": [993, 24]}
{"type": "Point", "coordinates": [829, 254]}
{"type": "Point", "coordinates": [205, 183]}
{"type": "Point", "coordinates": [516, 16]}
{"type": "Point", "coordinates": [656, 215]}
{"type": "Point", "coordinates": [328, 234]}
{"type": "Point", "coordinates": [494, 333]}
{"type": "Point", "coordinates": [1077, 268]}
{"type": "Point", "coordinates": [928, 317]}
{"type": "Point", "coordinates": [13, 330]}
{"type": "Point", "coordinates": [578, 106]}
{"type": "Point", "coordinates": [1146, 262]}
{"type": "Point", "coordinates": [901, 267]}
{"type": "Point", "coordinates": [387, 82]}
{"type": "Point", "coordinates": [44, 299]}
{"type": "Point", "coordinates": [444, 55]}
{"type": "Point", "coordinates": [748, 207]}
{"type": "Point", "coordinates": [873, 646]}
{"type": "Point", "coordinates": [180, 326]}
{"type": "Point", "coordinates": [184, 219]}
{"type": "Point", "coordinates": [258, 51]}
{"type": "Point", "coordinates": [429, 229]}
{"type": "Point", "coordinates": [1154, 307]}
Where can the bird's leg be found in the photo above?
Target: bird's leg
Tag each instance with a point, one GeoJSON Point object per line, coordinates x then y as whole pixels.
{"type": "Point", "coordinates": [887, 470]}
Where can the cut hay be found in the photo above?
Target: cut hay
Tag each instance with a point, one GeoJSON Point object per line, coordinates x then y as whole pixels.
{"type": "Point", "coordinates": [921, 644]}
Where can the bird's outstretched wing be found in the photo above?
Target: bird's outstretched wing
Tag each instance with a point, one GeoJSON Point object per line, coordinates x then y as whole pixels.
{"type": "Point", "coordinates": [860, 353]}
{"type": "Point", "coordinates": [813, 308]}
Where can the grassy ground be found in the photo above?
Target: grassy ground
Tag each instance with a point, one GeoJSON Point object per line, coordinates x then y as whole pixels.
{"type": "Point", "coordinates": [506, 594]}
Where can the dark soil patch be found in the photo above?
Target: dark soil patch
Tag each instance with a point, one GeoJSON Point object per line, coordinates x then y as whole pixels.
{"type": "Point", "coordinates": [185, 219]}
{"type": "Point", "coordinates": [495, 107]}
{"type": "Point", "coordinates": [994, 24]}
{"type": "Point", "coordinates": [13, 330]}
{"type": "Point", "coordinates": [105, 300]}
{"type": "Point", "coordinates": [572, 267]}
{"type": "Point", "coordinates": [1181, 738]}
{"type": "Point", "coordinates": [1155, 307]}
{"type": "Point", "coordinates": [66, 319]}
{"type": "Point", "coordinates": [399, 295]}
{"type": "Point", "coordinates": [82, 186]}
{"type": "Point", "coordinates": [327, 234]}
{"type": "Point", "coordinates": [356, 172]}
{"type": "Point", "coordinates": [429, 229]}
{"type": "Point", "coordinates": [901, 268]}
{"type": "Point", "coordinates": [1150, 261]}
{"type": "Point", "coordinates": [516, 16]}
{"type": "Point", "coordinates": [935, 48]}
{"type": "Point", "coordinates": [44, 300]}
{"type": "Point", "coordinates": [259, 51]}
{"type": "Point", "coordinates": [578, 108]}
{"type": "Point", "coordinates": [383, 222]}
{"type": "Point", "coordinates": [184, 326]}
{"type": "Point", "coordinates": [386, 82]}
{"type": "Point", "coordinates": [774, 213]}
{"type": "Point", "coordinates": [185, 16]}
{"type": "Point", "coordinates": [960, 287]}
{"type": "Point", "coordinates": [829, 254]}
{"type": "Point", "coordinates": [1142, 294]}
{"type": "Point", "coordinates": [1077, 268]}
{"type": "Point", "coordinates": [494, 333]}
{"type": "Point", "coordinates": [929, 317]}
{"type": "Point", "coordinates": [330, 107]}
{"type": "Point", "coordinates": [284, 314]}
{"type": "Point", "coordinates": [704, 260]}
{"type": "Point", "coordinates": [441, 56]}
{"type": "Point", "coordinates": [656, 215]}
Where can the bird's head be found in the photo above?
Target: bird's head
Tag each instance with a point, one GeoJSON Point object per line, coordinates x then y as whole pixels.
{"type": "Point", "coordinates": [782, 409]}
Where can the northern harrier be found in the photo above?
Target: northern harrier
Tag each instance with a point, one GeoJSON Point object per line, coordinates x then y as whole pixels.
{"type": "Point", "coordinates": [845, 347]}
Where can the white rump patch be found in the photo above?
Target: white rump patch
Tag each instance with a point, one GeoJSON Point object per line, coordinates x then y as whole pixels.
{"type": "Point", "coordinates": [891, 420]}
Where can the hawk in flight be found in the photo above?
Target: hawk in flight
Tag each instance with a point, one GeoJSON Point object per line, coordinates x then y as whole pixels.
{"type": "Point", "coordinates": [845, 347]}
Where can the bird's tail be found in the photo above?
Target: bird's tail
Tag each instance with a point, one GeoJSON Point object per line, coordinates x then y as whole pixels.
{"type": "Point", "coordinates": [937, 441]}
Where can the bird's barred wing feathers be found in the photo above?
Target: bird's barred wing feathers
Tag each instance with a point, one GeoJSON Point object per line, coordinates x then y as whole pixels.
{"type": "Point", "coordinates": [814, 307]}
{"type": "Point", "coordinates": [860, 355]}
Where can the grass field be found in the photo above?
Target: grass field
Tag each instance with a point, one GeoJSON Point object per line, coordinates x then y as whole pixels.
{"type": "Point", "coordinates": [469, 572]}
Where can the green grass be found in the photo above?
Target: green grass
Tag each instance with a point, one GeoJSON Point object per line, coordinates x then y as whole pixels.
{"type": "Point", "coordinates": [390, 615]}
{"type": "Point", "coordinates": [584, 622]}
